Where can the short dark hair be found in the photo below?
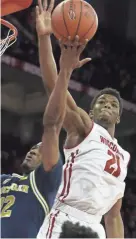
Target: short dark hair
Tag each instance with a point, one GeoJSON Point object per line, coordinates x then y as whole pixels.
{"type": "Point", "coordinates": [108, 91]}
{"type": "Point", "coordinates": [71, 230]}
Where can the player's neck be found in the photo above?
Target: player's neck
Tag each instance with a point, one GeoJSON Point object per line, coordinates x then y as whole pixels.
{"type": "Point", "coordinates": [111, 131]}
{"type": "Point", "coordinates": [108, 127]}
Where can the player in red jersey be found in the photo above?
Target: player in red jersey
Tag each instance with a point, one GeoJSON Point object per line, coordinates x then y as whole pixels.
{"type": "Point", "coordinates": [96, 165]}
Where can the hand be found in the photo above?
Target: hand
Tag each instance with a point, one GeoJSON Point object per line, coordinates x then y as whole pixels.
{"type": "Point", "coordinates": [70, 54]}
{"type": "Point", "coordinates": [43, 17]}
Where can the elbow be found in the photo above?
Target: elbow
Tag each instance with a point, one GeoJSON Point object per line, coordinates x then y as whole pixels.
{"type": "Point", "coordinates": [49, 126]}
{"type": "Point", "coordinates": [52, 125]}
{"type": "Point", "coordinates": [50, 121]}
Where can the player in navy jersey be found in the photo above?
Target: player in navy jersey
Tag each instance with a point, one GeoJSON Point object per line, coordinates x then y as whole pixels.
{"type": "Point", "coordinates": [27, 199]}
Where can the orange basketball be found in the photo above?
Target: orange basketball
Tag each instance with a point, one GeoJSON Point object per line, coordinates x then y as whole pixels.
{"type": "Point", "coordinates": [74, 17]}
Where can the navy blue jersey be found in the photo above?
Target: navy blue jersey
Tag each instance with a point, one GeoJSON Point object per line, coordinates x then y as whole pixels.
{"type": "Point", "coordinates": [26, 200]}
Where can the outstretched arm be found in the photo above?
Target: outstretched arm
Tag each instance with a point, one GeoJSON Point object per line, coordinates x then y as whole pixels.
{"type": "Point", "coordinates": [52, 122]}
{"type": "Point", "coordinates": [49, 70]}
{"type": "Point", "coordinates": [56, 108]}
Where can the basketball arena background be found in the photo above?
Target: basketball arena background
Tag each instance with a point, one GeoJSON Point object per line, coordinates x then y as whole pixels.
{"type": "Point", "coordinates": [113, 51]}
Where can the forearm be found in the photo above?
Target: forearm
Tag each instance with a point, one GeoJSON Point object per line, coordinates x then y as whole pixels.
{"type": "Point", "coordinates": [47, 62]}
{"type": "Point", "coordinates": [114, 227]}
{"type": "Point", "coordinates": [49, 69]}
{"type": "Point", "coordinates": [56, 107]}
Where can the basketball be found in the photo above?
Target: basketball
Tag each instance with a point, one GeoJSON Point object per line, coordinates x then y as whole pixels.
{"type": "Point", "coordinates": [74, 17]}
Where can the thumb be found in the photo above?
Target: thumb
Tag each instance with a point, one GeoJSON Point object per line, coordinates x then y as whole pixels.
{"type": "Point", "coordinates": [84, 61]}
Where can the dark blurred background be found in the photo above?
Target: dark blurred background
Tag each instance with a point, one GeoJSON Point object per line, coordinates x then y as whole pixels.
{"type": "Point", "coordinates": [113, 53]}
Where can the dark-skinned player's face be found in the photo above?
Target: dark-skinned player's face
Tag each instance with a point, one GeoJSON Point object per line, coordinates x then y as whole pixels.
{"type": "Point", "coordinates": [106, 110]}
{"type": "Point", "coordinates": [32, 160]}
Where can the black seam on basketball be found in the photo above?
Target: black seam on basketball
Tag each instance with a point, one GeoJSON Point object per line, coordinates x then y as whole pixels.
{"type": "Point", "coordinates": [79, 19]}
{"type": "Point", "coordinates": [89, 27]}
{"type": "Point", "coordinates": [65, 20]}
{"type": "Point", "coordinates": [58, 32]}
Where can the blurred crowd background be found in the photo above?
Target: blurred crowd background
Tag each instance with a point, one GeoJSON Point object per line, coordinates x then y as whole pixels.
{"type": "Point", "coordinates": [113, 53]}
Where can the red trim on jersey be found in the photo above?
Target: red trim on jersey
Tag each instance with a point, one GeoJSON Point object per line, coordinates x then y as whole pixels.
{"type": "Point", "coordinates": [70, 173]}
{"type": "Point", "coordinates": [67, 170]}
{"type": "Point", "coordinates": [83, 139]}
{"type": "Point", "coordinates": [51, 224]}
{"type": "Point", "coordinates": [65, 179]}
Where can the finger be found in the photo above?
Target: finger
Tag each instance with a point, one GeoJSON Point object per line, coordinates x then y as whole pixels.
{"type": "Point", "coordinates": [40, 6]}
{"type": "Point", "coordinates": [69, 42]}
{"type": "Point", "coordinates": [76, 41]}
{"type": "Point", "coordinates": [84, 61]}
{"type": "Point", "coordinates": [60, 41]}
{"type": "Point", "coordinates": [85, 42]}
{"type": "Point", "coordinates": [82, 47]}
{"type": "Point", "coordinates": [51, 6]}
{"type": "Point", "coordinates": [62, 47]}
{"type": "Point", "coordinates": [45, 5]}
{"type": "Point", "coordinates": [37, 11]}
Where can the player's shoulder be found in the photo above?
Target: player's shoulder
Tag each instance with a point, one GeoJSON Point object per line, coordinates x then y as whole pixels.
{"type": "Point", "coordinates": [41, 171]}
{"type": "Point", "coordinates": [6, 178]}
{"type": "Point", "coordinates": [125, 153]}
{"type": "Point", "coordinates": [50, 178]}
{"type": "Point", "coordinates": [21, 177]}
{"type": "Point", "coordinates": [97, 127]}
{"type": "Point", "coordinates": [99, 130]}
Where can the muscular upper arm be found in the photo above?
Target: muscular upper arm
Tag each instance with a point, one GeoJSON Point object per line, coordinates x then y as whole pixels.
{"type": "Point", "coordinates": [76, 119]}
{"type": "Point", "coordinates": [50, 147]}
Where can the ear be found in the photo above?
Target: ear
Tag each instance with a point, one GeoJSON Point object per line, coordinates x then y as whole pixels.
{"type": "Point", "coordinates": [91, 114]}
